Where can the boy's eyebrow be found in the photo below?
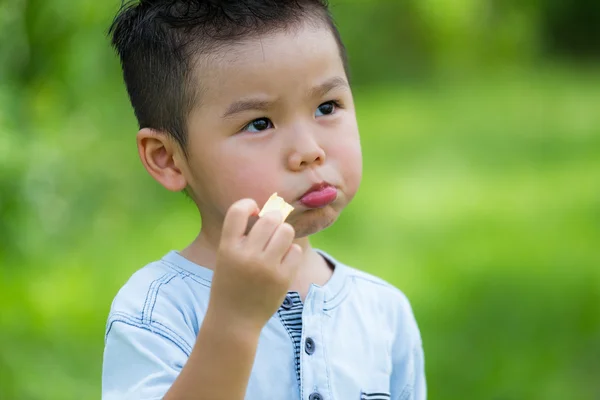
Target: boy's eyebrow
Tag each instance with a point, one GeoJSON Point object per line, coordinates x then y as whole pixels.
{"type": "Point", "coordinates": [328, 86]}
{"type": "Point", "coordinates": [247, 105]}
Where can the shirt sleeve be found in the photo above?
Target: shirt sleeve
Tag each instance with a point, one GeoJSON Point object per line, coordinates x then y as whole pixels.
{"type": "Point", "coordinates": [408, 376]}
{"type": "Point", "coordinates": [420, 384]}
{"type": "Point", "coordinates": [141, 361]}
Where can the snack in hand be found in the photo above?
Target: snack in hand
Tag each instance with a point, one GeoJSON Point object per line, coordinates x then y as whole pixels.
{"type": "Point", "coordinates": [276, 203]}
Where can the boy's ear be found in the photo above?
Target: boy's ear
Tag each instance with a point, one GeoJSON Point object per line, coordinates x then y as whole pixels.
{"type": "Point", "coordinates": [162, 158]}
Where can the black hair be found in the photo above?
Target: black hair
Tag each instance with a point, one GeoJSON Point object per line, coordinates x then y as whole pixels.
{"type": "Point", "coordinates": [157, 41]}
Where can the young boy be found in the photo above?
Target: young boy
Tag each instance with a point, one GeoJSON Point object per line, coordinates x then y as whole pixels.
{"type": "Point", "coordinates": [237, 100]}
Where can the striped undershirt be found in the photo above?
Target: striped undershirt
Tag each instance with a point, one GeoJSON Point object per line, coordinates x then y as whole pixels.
{"type": "Point", "coordinates": [292, 320]}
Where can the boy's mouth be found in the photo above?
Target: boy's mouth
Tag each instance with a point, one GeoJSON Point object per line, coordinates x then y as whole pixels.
{"type": "Point", "coordinates": [319, 195]}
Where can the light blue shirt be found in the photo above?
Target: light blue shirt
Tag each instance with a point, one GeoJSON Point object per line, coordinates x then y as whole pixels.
{"type": "Point", "coordinates": [355, 338]}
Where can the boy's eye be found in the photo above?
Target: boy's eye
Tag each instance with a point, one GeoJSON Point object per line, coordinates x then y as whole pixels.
{"type": "Point", "coordinates": [326, 109]}
{"type": "Point", "coordinates": [258, 125]}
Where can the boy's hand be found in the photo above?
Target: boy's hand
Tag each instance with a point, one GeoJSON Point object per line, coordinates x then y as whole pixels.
{"type": "Point", "coordinates": [252, 275]}
{"type": "Point", "coordinates": [253, 272]}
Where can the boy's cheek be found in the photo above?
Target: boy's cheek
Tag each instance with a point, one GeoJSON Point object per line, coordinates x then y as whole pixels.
{"type": "Point", "coordinates": [348, 159]}
{"type": "Point", "coordinates": [346, 153]}
{"type": "Point", "coordinates": [248, 181]}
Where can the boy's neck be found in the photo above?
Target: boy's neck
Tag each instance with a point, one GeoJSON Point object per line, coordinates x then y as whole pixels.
{"type": "Point", "coordinates": [314, 268]}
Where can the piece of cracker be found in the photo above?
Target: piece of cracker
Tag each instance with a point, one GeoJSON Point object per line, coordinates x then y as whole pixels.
{"type": "Point", "coordinates": [276, 203]}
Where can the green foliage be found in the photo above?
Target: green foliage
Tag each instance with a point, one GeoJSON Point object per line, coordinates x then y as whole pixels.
{"type": "Point", "coordinates": [492, 183]}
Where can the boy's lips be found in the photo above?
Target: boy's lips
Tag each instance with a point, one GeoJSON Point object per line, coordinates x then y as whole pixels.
{"type": "Point", "coordinates": [319, 195]}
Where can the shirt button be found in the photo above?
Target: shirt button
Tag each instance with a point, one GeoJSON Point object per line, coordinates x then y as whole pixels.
{"type": "Point", "coordinates": [315, 396]}
{"type": "Point", "coordinates": [309, 346]}
{"type": "Point", "coordinates": [287, 303]}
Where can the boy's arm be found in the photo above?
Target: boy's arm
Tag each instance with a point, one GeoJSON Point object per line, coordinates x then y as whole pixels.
{"type": "Point", "coordinates": [220, 364]}
{"type": "Point", "coordinates": [251, 279]}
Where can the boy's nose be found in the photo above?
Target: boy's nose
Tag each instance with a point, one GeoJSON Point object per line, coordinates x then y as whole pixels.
{"type": "Point", "coordinates": [305, 153]}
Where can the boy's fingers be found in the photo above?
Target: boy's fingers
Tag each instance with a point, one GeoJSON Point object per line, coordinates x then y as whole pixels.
{"type": "Point", "coordinates": [291, 260]}
{"type": "Point", "coordinates": [280, 242]}
{"type": "Point", "coordinates": [236, 219]}
{"type": "Point", "coordinates": [263, 229]}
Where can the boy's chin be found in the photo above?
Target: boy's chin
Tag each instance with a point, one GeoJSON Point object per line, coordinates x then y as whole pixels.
{"type": "Point", "coordinates": [307, 223]}
{"type": "Point", "coordinates": [313, 221]}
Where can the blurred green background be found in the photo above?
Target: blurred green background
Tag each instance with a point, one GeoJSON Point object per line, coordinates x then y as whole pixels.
{"type": "Point", "coordinates": [480, 123]}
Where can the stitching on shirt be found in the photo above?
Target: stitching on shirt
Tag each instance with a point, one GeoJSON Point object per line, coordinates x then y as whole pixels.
{"type": "Point", "coordinates": [152, 296]}
{"type": "Point", "coordinates": [150, 293]}
{"type": "Point", "coordinates": [132, 321]}
{"type": "Point", "coordinates": [187, 274]}
{"type": "Point", "coordinates": [300, 374]}
{"type": "Point", "coordinates": [181, 272]}
{"type": "Point", "coordinates": [204, 283]}
{"type": "Point", "coordinates": [406, 392]}
{"type": "Point", "coordinates": [174, 267]}
{"type": "Point", "coordinates": [340, 292]}
{"type": "Point", "coordinates": [340, 297]}
{"type": "Point", "coordinates": [172, 332]}
{"type": "Point", "coordinates": [184, 345]}
{"type": "Point", "coordinates": [178, 268]}
{"type": "Point", "coordinates": [376, 281]}
{"type": "Point", "coordinates": [327, 371]}
{"type": "Point", "coordinates": [165, 281]}
{"type": "Point", "coordinates": [337, 304]}
{"type": "Point", "coordinates": [409, 387]}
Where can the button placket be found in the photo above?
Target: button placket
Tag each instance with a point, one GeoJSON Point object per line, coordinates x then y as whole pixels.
{"type": "Point", "coordinates": [314, 371]}
{"type": "Point", "coordinates": [290, 314]}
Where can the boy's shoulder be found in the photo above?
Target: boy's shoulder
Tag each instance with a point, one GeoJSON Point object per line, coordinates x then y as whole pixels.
{"type": "Point", "coordinates": [162, 276]}
{"type": "Point", "coordinates": [372, 281]}
{"type": "Point", "coordinates": [370, 286]}
{"type": "Point", "coordinates": [161, 293]}
{"type": "Point", "coordinates": [380, 303]}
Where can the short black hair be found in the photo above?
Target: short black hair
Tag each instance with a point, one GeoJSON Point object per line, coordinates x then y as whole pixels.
{"type": "Point", "coordinates": [157, 40]}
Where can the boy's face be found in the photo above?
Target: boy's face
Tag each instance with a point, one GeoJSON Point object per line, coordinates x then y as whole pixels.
{"type": "Point", "coordinates": [276, 114]}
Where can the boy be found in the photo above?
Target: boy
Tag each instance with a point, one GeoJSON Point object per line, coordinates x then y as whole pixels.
{"type": "Point", "coordinates": [237, 100]}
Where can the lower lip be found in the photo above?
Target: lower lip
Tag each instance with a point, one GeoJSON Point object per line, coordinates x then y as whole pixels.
{"type": "Point", "coordinates": [320, 198]}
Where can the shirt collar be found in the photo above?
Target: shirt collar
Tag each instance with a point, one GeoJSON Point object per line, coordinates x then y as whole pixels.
{"type": "Point", "coordinates": [332, 287]}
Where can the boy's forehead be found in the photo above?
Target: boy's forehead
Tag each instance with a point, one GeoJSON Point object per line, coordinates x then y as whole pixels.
{"type": "Point", "coordinates": [303, 57]}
